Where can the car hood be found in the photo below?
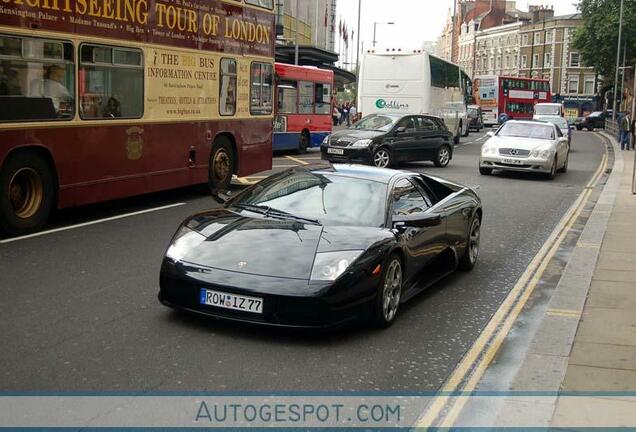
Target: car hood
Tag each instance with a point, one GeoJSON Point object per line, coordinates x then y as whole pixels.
{"type": "Point", "coordinates": [252, 244]}
{"type": "Point", "coordinates": [352, 135]}
{"type": "Point", "coordinates": [518, 143]}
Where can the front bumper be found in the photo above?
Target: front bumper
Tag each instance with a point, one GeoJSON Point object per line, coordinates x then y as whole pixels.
{"type": "Point", "coordinates": [350, 154]}
{"type": "Point", "coordinates": [286, 302]}
{"type": "Point", "coordinates": [519, 164]}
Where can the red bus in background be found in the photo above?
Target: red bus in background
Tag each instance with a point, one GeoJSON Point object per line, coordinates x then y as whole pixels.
{"type": "Point", "coordinates": [514, 96]}
{"type": "Point", "coordinates": [303, 107]}
{"type": "Point", "coordinates": [97, 105]}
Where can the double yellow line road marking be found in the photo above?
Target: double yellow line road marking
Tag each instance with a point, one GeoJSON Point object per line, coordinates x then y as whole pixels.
{"type": "Point", "coordinates": [444, 410]}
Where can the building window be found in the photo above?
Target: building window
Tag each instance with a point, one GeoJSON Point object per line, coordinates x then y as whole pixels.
{"type": "Point", "coordinates": [535, 60]}
{"type": "Point", "coordinates": [261, 88]}
{"type": "Point", "coordinates": [492, 63]}
{"type": "Point", "coordinates": [548, 36]}
{"type": "Point", "coordinates": [516, 61]}
{"type": "Point", "coordinates": [227, 89]}
{"type": "Point", "coordinates": [37, 79]}
{"type": "Point", "coordinates": [537, 38]}
{"type": "Point", "coordinates": [525, 39]}
{"type": "Point", "coordinates": [498, 62]}
{"type": "Point", "coordinates": [573, 85]}
{"type": "Point", "coordinates": [524, 61]}
{"type": "Point", "coordinates": [112, 82]}
{"type": "Point", "coordinates": [575, 59]}
{"type": "Point", "coordinates": [589, 85]}
{"type": "Point", "coordinates": [547, 60]}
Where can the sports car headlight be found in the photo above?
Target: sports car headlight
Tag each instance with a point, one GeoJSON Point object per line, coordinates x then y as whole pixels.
{"type": "Point", "coordinates": [361, 143]}
{"type": "Point", "coordinates": [541, 153]}
{"type": "Point", "coordinates": [326, 140]}
{"type": "Point", "coordinates": [183, 241]}
{"type": "Point", "coordinates": [328, 266]}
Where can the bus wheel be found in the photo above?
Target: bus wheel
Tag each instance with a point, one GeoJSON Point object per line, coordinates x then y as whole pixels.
{"type": "Point", "coordinates": [303, 142]}
{"type": "Point", "coordinates": [221, 166]}
{"type": "Point", "coordinates": [27, 193]}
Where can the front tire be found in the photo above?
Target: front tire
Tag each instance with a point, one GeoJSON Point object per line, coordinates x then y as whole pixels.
{"type": "Point", "coordinates": [382, 158]}
{"type": "Point", "coordinates": [389, 293]}
{"type": "Point", "coordinates": [303, 142]}
{"type": "Point", "coordinates": [443, 156]}
{"type": "Point", "coordinates": [221, 166]}
{"type": "Point", "coordinates": [553, 169]}
{"type": "Point", "coordinates": [485, 171]}
{"type": "Point", "coordinates": [469, 258]}
{"type": "Point", "coordinates": [27, 193]}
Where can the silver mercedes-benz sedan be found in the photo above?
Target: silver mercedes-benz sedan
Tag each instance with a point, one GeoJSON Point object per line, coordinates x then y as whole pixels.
{"type": "Point", "coordinates": [527, 146]}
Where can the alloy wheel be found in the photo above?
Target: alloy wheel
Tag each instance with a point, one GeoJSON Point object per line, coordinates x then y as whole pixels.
{"type": "Point", "coordinates": [392, 290]}
{"type": "Point", "coordinates": [474, 240]}
{"type": "Point", "coordinates": [444, 156]}
{"type": "Point", "coordinates": [381, 158]}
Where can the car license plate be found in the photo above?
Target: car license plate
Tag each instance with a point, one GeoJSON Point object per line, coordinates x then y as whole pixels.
{"type": "Point", "coordinates": [513, 161]}
{"type": "Point", "coordinates": [335, 151]}
{"type": "Point", "coordinates": [231, 301]}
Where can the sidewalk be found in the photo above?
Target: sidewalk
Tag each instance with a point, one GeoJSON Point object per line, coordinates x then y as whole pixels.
{"type": "Point", "coordinates": [603, 356]}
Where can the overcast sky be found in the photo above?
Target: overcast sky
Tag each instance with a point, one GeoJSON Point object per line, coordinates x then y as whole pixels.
{"type": "Point", "coordinates": [415, 20]}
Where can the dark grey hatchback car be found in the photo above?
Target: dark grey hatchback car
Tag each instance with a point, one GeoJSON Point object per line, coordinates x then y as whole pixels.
{"type": "Point", "coordinates": [385, 140]}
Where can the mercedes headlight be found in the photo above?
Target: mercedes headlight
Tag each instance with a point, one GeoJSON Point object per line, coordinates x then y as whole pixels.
{"type": "Point", "coordinates": [183, 241]}
{"type": "Point", "coordinates": [488, 148]}
{"type": "Point", "coordinates": [362, 143]}
{"type": "Point", "coordinates": [328, 266]}
{"type": "Point", "coordinates": [541, 153]}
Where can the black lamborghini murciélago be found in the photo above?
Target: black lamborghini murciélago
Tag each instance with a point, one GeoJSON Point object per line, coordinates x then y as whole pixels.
{"type": "Point", "coordinates": [318, 246]}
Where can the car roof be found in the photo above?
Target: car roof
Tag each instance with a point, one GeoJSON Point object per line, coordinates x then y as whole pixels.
{"type": "Point", "coordinates": [364, 172]}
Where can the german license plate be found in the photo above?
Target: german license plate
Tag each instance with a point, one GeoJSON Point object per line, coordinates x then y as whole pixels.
{"type": "Point", "coordinates": [513, 161]}
{"type": "Point", "coordinates": [335, 151]}
{"type": "Point", "coordinates": [231, 301]}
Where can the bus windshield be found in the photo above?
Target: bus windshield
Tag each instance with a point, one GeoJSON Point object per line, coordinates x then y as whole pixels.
{"type": "Point", "coordinates": [548, 109]}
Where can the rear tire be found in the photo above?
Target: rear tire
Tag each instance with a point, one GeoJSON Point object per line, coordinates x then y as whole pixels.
{"type": "Point", "coordinates": [579, 128]}
{"type": "Point", "coordinates": [590, 128]}
{"type": "Point", "coordinates": [469, 258]}
{"type": "Point", "coordinates": [443, 157]}
{"type": "Point", "coordinates": [387, 302]}
{"type": "Point", "coordinates": [27, 193]}
{"type": "Point", "coordinates": [303, 142]}
{"type": "Point", "coordinates": [221, 166]}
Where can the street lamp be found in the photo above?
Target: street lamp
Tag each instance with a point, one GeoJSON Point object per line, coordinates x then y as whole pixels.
{"type": "Point", "coordinates": [375, 25]}
{"type": "Point", "coordinates": [618, 61]}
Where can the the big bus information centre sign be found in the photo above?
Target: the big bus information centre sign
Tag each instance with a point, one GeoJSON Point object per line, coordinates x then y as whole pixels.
{"type": "Point", "coordinates": [203, 24]}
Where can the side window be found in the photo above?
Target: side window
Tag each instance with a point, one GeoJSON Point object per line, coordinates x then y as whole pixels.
{"type": "Point", "coordinates": [227, 89]}
{"type": "Point", "coordinates": [111, 82]}
{"type": "Point", "coordinates": [426, 124]}
{"type": "Point", "coordinates": [558, 132]}
{"type": "Point", "coordinates": [408, 123]}
{"type": "Point", "coordinates": [438, 72]}
{"type": "Point", "coordinates": [407, 200]}
{"type": "Point", "coordinates": [261, 89]}
{"type": "Point", "coordinates": [287, 97]}
{"type": "Point", "coordinates": [37, 79]}
{"type": "Point", "coordinates": [323, 98]}
{"type": "Point", "coordinates": [306, 100]}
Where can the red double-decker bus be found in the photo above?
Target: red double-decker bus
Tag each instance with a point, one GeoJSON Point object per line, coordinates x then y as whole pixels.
{"type": "Point", "coordinates": [511, 95]}
{"type": "Point", "coordinates": [104, 99]}
{"type": "Point", "coordinates": [303, 115]}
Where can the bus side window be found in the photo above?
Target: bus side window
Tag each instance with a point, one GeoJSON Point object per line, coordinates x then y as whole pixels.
{"type": "Point", "coordinates": [323, 98]}
{"type": "Point", "coordinates": [261, 89]}
{"type": "Point", "coordinates": [111, 82]}
{"type": "Point", "coordinates": [287, 97]}
{"type": "Point", "coordinates": [306, 99]}
{"type": "Point", "coordinates": [37, 79]}
{"type": "Point", "coordinates": [227, 89]}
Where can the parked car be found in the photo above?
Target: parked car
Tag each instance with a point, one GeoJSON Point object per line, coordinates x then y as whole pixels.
{"type": "Point", "coordinates": [384, 140]}
{"type": "Point", "coordinates": [319, 246]}
{"type": "Point", "coordinates": [595, 120]}
{"type": "Point", "coordinates": [475, 118]}
{"type": "Point", "coordinates": [527, 146]}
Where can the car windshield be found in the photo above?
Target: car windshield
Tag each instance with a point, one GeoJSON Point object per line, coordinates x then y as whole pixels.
{"type": "Point", "coordinates": [326, 198]}
{"type": "Point", "coordinates": [526, 130]}
{"type": "Point", "coordinates": [376, 122]}
{"type": "Point", "coordinates": [547, 110]}
{"type": "Point", "coordinates": [560, 122]}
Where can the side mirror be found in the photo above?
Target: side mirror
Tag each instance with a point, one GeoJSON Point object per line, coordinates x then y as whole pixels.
{"type": "Point", "coordinates": [490, 134]}
{"type": "Point", "coordinates": [400, 130]}
{"type": "Point", "coordinates": [418, 220]}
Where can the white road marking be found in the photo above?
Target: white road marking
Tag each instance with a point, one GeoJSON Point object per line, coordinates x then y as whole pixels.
{"type": "Point", "coordinates": [95, 222]}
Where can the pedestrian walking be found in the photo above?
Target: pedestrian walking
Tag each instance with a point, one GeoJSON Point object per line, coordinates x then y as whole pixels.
{"type": "Point", "coordinates": [633, 133]}
{"type": "Point", "coordinates": [343, 113]}
{"type": "Point", "coordinates": [335, 115]}
{"type": "Point", "coordinates": [625, 126]}
{"type": "Point", "coordinates": [353, 113]}
{"type": "Point", "coordinates": [348, 116]}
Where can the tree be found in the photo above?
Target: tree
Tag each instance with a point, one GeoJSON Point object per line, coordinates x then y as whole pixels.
{"type": "Point", "coordinates": [597, 38]}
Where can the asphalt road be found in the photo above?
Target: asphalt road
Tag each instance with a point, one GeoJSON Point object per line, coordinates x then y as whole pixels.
{"type": "Point", "coordinates": [79, 310]}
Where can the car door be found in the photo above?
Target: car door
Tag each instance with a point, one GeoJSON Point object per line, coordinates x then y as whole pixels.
{"type": "Point", "coordinates": [432, 137]}
{"type": "Point", "coordinates": [420, 245]}
{"type": "Point", "coordinates": [404, 139]}
{"type": "Point", "coordinates": [562, 145]}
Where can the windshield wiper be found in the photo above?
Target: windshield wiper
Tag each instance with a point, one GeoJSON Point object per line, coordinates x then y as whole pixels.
{"type": "Point", "coordinates": [268, 211]}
